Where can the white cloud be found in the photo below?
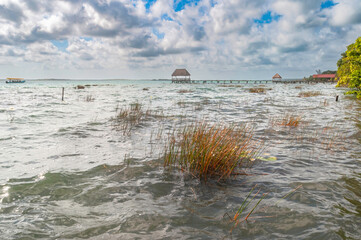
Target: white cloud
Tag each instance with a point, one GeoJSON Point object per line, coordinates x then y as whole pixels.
{"type": "Point", "coordinates": [345, 13]}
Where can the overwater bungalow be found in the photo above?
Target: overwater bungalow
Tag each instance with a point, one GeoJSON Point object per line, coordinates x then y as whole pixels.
{"type": "Point", "coordinates": [277, 77]}
{"type": "Point", "coordinates": [324, 77]}
{"type": "Point", "coordinates": [181, 76]}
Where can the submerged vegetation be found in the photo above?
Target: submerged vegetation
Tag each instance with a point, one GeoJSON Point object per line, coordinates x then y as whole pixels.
{"type": "Point", "coordinates": [349, 69]}
{"type": "Point", "coordinates": [212, 151]}
{"type": "Point", "coordinates": [287, 120]}
{"type": "Point", "coordinates": [258, 90]}
{"type": "Point", "coordinates": [309, 94]}
{"type": "Point", "coordinates": [129, 117]}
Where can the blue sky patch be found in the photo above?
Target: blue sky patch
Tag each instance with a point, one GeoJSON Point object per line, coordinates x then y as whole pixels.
{"type": "Point", "coordinates": [179, 5]}
{"type": "Point", "coordinates": [87, 38]}
{"type": "Point", "coordinates": [60, 44]}
{"type": "Point", "coordinates": [327, 4]}
{"type": "Point", "coordinates": [166, 17]}
{"type": "Point", "coordinates": [267, 17]}
{"type": "Point", "coordinates": [158, 34]}
{"type": "Point", "coordinates": [149, 3]}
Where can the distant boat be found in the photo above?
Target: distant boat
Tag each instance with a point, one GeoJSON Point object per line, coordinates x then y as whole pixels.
{"type": "Point", "coordinates": [15, 80]}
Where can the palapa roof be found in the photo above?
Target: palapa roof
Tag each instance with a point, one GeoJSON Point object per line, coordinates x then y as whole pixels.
{"type": "Point", "coordinates": [277, 76]}
{"type": "Point", "coordinates": [181, 72]}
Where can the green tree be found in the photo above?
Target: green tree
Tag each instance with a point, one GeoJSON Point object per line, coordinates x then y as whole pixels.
{"type": "Point", "coordinates": [349, 68]}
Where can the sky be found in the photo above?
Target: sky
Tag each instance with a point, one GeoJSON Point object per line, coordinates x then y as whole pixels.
{"type": "Point", "coordinates": [139, 39]}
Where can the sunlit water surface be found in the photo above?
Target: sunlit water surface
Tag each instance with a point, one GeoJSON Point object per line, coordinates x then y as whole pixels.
{"type": "Point", "coordinates": [68, 173]}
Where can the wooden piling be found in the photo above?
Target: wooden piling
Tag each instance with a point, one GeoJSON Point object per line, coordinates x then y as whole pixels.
{"type": "Point", "coordinates": [62, 95]}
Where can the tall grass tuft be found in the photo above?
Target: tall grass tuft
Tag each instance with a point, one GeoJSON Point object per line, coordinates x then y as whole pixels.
{"type": "Point", "coordinates": [288, 120]}
{"type": "Point", "coordinates": [89, 98]}
{"type": "Point", "coordinates": [127, 118]}
{"type": "Point", "coordinates": [257, 90]}
{"type": "Point", "coordinates": [309, 94]}
{"type": "Point", "coordinates": [212, 151]}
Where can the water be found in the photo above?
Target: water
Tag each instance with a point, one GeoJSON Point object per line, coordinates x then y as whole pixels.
{"type": "Point", "coordinates": [68, 173]}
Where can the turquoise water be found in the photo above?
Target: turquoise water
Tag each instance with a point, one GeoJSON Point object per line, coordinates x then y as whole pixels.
{"type": "Point", "coordinates": [67, 172]}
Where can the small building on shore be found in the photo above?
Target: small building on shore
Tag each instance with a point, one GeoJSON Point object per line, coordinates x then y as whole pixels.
{"type": "Point", "coordinates": [277, 77]}
{"type": "Point", "coordinates": [324, 77]}
{"type": "Point", "coordinates": [181, 76]}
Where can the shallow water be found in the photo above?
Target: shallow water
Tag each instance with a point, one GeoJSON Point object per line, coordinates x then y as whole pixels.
{"type": "Point", "coordinates": [67, 172]}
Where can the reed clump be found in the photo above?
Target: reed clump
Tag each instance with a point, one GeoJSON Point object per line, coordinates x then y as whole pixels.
{"type": "Point", "coordinates": [231, 85]}
{"type": "Point", "coordinates": [185, 91]}
{"type": "Point", "coordinates": [258, 90]}
{"type": "Point", "coordinates": [129, 117]}
{"type": "Point", "coordinates": [309, 94]}
{"type": "Point", "coordinates": [89, 98]}
{"type": "Point", "coordinates": [288, 120]}
{"type": "Point", "coordinates": [212, 151]}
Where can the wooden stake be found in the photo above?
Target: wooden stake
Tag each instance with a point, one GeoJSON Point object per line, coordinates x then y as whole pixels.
{"type": "Point", "coordinates": [62, 95]}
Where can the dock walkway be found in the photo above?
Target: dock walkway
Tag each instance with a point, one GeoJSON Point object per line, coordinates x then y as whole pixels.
{"type": "Point", "coordinates": [293, 81]}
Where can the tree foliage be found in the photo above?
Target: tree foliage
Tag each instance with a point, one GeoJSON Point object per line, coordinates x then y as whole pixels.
{"type": "Point", "coordinates": [349, 68]}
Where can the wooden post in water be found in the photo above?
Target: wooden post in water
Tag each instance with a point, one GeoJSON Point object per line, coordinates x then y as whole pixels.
{"type": "Point", "coordinates": [62, 95]}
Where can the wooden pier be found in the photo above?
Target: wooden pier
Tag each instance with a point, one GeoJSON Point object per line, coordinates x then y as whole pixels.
{"type": "Point", "coordinates": [232, 82]}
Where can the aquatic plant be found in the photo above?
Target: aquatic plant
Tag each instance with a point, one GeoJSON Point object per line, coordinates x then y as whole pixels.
{"type": "Point", "coordinates": [185, 91]}
{"type": "Point", "coordinates": [129, 117]}
{"type": "Point", "coordinates": [212, 151]}
{"type": "Point", "coordinates": [89, 98]}
{"type": "Point", "coordinates": [231, 85]}
{"type": "Point", "coordinates": [309, 94]}
{"type": "Point", "coordinates": [239, 217]}
{"type": "Point", "coordinates": [257, 90]}
{"type": "Point", "coordinates": [287, 120]}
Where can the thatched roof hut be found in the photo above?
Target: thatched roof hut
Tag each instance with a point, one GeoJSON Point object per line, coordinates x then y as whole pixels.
{"type": "Point", "coordinates": [277, 77]}
{"type": "Point", "coordinates": [181, 75]}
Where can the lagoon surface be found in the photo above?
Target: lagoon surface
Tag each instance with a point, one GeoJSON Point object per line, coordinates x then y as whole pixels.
{"type": "Point", "coordinates": [67, 172]}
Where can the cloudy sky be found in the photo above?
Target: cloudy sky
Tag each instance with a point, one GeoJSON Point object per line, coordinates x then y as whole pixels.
{"type": "Point", "coordinates": [213, 39]}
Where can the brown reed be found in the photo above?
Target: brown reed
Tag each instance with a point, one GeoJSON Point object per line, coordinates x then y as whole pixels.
{"type": "Point", "coordinates": [129, 117]}
{"type": "Point", "coordinates": [288, 120]}
{"type": "Point", "coordinates": [309, 94]}
{"type": "Point", "coordinates": [184, 91]}
{"type": "Point", "coordinates": [89, 98]}
{"type": "Point", "coordinates": [212, 151]}
{"type": "Point", "coordinates": [257, 90]}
